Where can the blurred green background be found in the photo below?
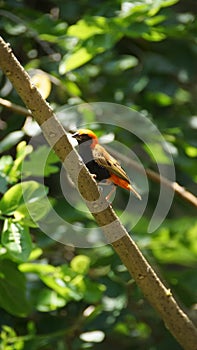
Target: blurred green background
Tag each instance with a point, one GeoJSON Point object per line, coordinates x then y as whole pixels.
{"type": "Point", "coordinates": [143, 55]}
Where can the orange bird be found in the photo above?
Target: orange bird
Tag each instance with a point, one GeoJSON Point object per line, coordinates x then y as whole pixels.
{"type": "Point", "coordinates": [100, 163]}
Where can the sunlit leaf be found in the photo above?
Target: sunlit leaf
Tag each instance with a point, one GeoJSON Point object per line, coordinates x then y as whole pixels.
{"type": "Point", "coordinates": [93, 336]}
{"type": "Point", "coordinates": [42, 81]}
{"type": "Point", "coordinates": [191, 151]}
{"type": "Point", "coordinates": [77, 59]}
{"type": "Point", "coordinates": [48, 300]}
{"type": "Point", "coordinates": [80, 264]}
{"type": "Point", "coordinates": [21, 194]}
{"type": "Point", "coordinates": [16, 239]}
{"type": "Point", "coordinates": [88, 27]}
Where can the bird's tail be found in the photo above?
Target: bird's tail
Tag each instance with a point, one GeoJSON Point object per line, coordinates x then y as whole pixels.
{"type": "Point", "coordinates": [124, 184]}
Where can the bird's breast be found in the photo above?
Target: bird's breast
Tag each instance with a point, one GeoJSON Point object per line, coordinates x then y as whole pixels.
{"type": "Point", "coordinates": [86, 153]}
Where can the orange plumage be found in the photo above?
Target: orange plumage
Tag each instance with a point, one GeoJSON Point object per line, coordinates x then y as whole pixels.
{"type": "Point", "coordinates": [100, 162]}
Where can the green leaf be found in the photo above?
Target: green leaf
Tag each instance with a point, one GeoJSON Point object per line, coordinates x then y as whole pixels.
{"type": "Point", "coordinates": [13, 289]}
{"type": "Point", "coordinates": [80, 264]}
{"type": "Point", "coordinates": [154, 35]}
{"type": "Point", "coordinates": [6, 163]}
{"type": "Point", "coordinates": [63, 289]}
{"type": "Point", "coordinates": [3, 184]}
{"type": "Point", "coordinates": [97, 39]}
{"type": "Point", "coordinates": [175, 242]}
{"type": "Point", "coordinates": [72, 88]}
{"type": "Point", "coordinates": [22, 150]}
{"type": "Point", "coordinates": [167, 3]}
{"type": "Point", "coordinates": [39, 269]}
{"type": "Point", "coordinates": [75, 60]}
{"type": "Point", "coordinates": [48, 300]}
{"type": "Point", "coordinates": [86, 28]}
{"type": "Point", "coordinates": [16, 239]}
{"type": "Point", "coordinates": [191, 151]}
{"type": "Point", "coordinates": [21, 194]}
{"type": "Point", "coordinates": [158, 4]}
{"type": "Point", "coordinates": [157, 153]}
{"type": "Point", "coordinates": [54, 279]}
{"type": "Point", "coordinates": [10, 140]}
{"type": "Point", "coordinates": [93, 291]}
{"type": "Point", "coordinates": [41, 162]}
{"type": "Point", "coordinates": [9, 339]}
{"type": "Point", "coordinates": [122, 64]}
{"type": "Point", "coordinates": [31, 213]}
{"type": "Point", "coordinates": [35, 253]}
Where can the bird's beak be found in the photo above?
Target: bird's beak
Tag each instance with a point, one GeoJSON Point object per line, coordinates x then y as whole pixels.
{"type": "Point", "coordinates": [76, 135]}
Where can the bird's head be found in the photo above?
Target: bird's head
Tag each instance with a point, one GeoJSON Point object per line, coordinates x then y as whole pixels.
{"type": "Point", "coordinates": [85, 135]}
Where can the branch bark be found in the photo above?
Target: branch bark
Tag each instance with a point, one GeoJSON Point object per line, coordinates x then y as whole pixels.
{"type": "Point", "coordinates": [158, 295]}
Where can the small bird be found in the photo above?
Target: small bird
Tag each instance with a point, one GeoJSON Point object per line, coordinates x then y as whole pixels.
{"type": "Point", "coordinates": [100, 163]}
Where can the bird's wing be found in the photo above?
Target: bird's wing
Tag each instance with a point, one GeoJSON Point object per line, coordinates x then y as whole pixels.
{"type": "Point", "coordinates": [104, 159]}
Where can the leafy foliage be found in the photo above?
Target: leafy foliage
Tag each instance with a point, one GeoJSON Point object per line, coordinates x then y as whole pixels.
{"type": "Point", "coordinates": [141, 54]}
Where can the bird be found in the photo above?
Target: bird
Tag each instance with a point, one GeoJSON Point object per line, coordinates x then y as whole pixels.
{"type": "Point", "coordinates": [100, 163]}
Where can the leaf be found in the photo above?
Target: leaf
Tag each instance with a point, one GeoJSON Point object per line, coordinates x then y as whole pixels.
{"type": "Point", "coordinates": [191, 151]}
{"type": "Point", "coordinates": [97, 39]}
{"type": "Point", "coordinates": [93, 336]}
{"type": "Point", "coordinates": [16, 239]}
{"type": "Point", "coordinates": [75, 60]}
{"type": "Point", "coordinates": [154, 35]}
{"type": "Point", "coordinates": [35, 253]}
{"type": "Point", "coordinates": [175, 241]}
{"type": "Point", "coordinates": [124, 63]}
{"type": "Point", "coordinates": [38, 269]}
{"type": "Point", "coordinates": [72, 88]}
{"type": "Point", "coordinates": [3, 184]}
{"type": "Point", "coordinates": [53, 278]}
{"type": "Point", "coordinates": [158, 4]}
{"type": "Point", "coordinates": [87, 27]}
{"type": "Point", "coordinates": [13, 289]}
{"type": "Point", "coordinates": [31, 127]}
{"type": "Point", "coordinates": [48, 300]}
{"type": "Point", "coordinates": [6, 163]}
{"type": "Point", "coordinates": [11, 140]}
{"type": "Point", "coordinates": [10, 340]}
{"type": "Point", "coordinates": [80, 264]}
{"type": "Point", "coordinates": [41, 162]}
{"type": "Point", "coordinates": [30, 213]}
{"type": "Point", "coordinates": [42, 82]}
{"type": "Point", "coordinates": [22, 150]}
{"type": "Point", "coordinates": [157, 153]}
{"type": "Point", "coordinates": [21, 194]}
{"type": "Point", "coordinates": [93, 291]}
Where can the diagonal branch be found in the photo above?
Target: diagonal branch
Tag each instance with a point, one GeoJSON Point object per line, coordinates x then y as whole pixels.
{"type": "Point", "coordinates": [187, 196]}
{"type": "Point", "coordinates": [152, 175]}
{"type": "Point", "coordinates": [158, 295]}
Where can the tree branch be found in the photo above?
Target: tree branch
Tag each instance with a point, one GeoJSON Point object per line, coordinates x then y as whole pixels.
{"type": "Point", "coordinates": [152, 175]}
{"type": "Point", "coordinates": [158, 295]}
{"type": "Point", "coordinates": [14, 107]}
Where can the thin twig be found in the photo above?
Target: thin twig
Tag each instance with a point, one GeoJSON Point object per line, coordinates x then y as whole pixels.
{"type": "Point", "coordinates": [14, 107]}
